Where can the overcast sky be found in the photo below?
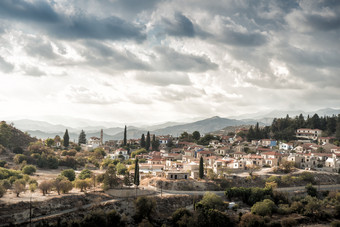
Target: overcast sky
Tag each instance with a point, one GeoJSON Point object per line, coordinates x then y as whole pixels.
{"type": "Point", "coordinates": [157, 60]}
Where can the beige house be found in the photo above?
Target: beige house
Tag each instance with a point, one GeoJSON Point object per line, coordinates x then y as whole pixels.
{"type": "Point", "coordinates": [307, 133]}
{"type": "Point", "coordinates": [176, 175]}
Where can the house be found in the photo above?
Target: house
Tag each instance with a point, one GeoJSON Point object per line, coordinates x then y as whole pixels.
{"type": "Point", "coordinates": [236, 164]}
{"type": "Point", "coordinates": [119, 154]}
{"type": "Point", "coordinates": [176, 175]}
{"type": "Point", "coordinates": [285, 146]}
{"type": "Point", "coordinates": [307, 133]}
{"type": "Point", "coordinates": [204, 153]}
{"type": "Point", "coordinates": [239, 154]}
{"type": "Point", "coordinates": [223, 150]}
{"type": "Point", "coordinates": [268, 142]}
{"type": "Point", "coordinates": [271, 158]}
{"type": "Point", "coordinates": [94, 142]}
{"type": "Point", "coordinates": [326, 140]}
{"type": "Point", "coordinates": [253, 160]}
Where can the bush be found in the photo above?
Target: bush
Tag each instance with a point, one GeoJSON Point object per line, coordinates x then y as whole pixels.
{"type": "Point", "coordinates": [69, 174]}
{"type": "Point", "coordinates": [6, 184]}
{"type": "Point", "coordinates": [335, 224]}
{"type": "Point", "coordinates": [251, 220]}
{"type": "Point", "coordinates": [312, 191]}
{"type": "Point", "coordinates": [2, 191]}
{"type": "Point", "coordinates": [45, 187]}
{"type": "Point", "coordinates": [145, 207]}
{"type": "Point", "coordinates": [86, 173]}
{"type": "Point", "coordinates": [19, 158]}
{"type": "Point", "coordinates": [29, 169]}
{"type": "Point", "coordinates": [178, 215]}
{"type": "Point", "coordinates": [32, 187]}
{"type": "Point", "coordinates": [211, 201]}
{"type": "Point", "coordinates": [266, 207]}
{"type": "Point", "coordinates": [19, 186]}
{"type": "Point", "coordinates": [82, 184]}
{"type": "Point", "coordinates": [2, 163]}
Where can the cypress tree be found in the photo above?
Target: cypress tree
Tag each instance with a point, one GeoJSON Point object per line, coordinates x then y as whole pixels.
{"type": "Point", "coordinates": [201, 168]}
{"type": "Point", "coordinates": [82, 138]}
{"type": "Point", "coordinates": [66, 139]}
{"type": "Point", "coordinates": [142, 141]}
{"type": "Point", "coordinates": [125, 136]}
{"type": "Point", "coordinates": [147, 144]}
{"type": "Point", "coordinates": [136, 178]}
{"type": "Point", "coordinates": [155, 143]}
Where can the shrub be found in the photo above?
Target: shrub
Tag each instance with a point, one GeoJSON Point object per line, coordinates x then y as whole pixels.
{"type": "Point", "coordinates": [86, 173]}
{"type": "Point", "coordinates": [29, 169]}
{"type": "Point", "coordinates": [312, 191]}
{"type": "Point", "coordinates": [19, 158]}
{"type": "Point", "coordinates": [211, 201]}
{"type": "Point", "coordinates": [19, 186]}
{"type": "Point", "coordinates": [145, 207]}
{"type": "Point", "coordinates": [18, 150]}
{"type": "Point", "coordinates": [251, 220]}
{"type": "Point", "coordinates": [32, 187]}
{"type": "Point", "coordinates": [45, 187]}
{"type": "Point", "coordinates": [2, 191]}
{"type": "Point", "coordinates": [6, 184]}
{"type": "Point", "coordinates": [2, 163]}
{"type": "Point", "coordinates": [178, 215]}
{"type": "Point", "coordinates": [69, 174]}
{"type": "Point", "coordinates": [82, 184]}
{"type": "Point", "coordinates": [266, 207]}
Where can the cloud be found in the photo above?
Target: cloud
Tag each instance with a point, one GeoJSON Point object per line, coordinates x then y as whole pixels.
{"type": "Point", "coordinates": [83, 95]}
{"type": "Point", "coordinates": [5, 66]}
{"type": "Point", "coordinates": [171, 60]}
{"type": "Point", "coordinates": [70, 26]}
{"type": "Point", "coordinates": [179, 26]}
{"type": "Point", "coordinates": [33, 71]}
{"type": "Point", "coordinates": [163, 79]}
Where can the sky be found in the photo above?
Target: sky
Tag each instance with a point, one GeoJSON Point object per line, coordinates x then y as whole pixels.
{"type": "Point", "coordinates": [158, 60]}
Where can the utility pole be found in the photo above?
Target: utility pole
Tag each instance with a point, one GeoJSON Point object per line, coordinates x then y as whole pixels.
{"type": "Point", "coordinates": [161, 188]}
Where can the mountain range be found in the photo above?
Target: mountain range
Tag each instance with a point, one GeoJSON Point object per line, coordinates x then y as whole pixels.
{"type": "Point", "coordinates": [42, 129]}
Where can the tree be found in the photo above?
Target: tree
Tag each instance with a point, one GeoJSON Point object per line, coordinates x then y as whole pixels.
{"type": "Point", "coordinates": [201, 168]}
{"type": "Point", "coordinates": [49, 142]}
{"type": "Point", "coordinates": [145, 207]}
{"type": "Point", "coordinates": [136, 178]}
{"type": "Point", "coordinates": [252, 168]}
{"type": "Point", "coordinates": [69, 174]}
{"type": "Point", "coordinates": [155, 143]}
{"type": "Point", "coordinates": [251, 220]}
{"type": "Point", "coordinates": [266, 207]}
{"type": "Point", "coordinates": [62, 184]}
{"type": "Point", "coordinates": [19, 186]}
{"type": "Point", "coordinates": [211, 201]}
{"type": "Point", "coordinates": [82, 184]}
{"type": "Point", "coordinates": [66, 139]}
{"type": "Point", "coordinates": [124, 136]}
{"type": "Point", "coordinates": [142, 141]}
{"type": "Point", "coordinates": [148, 141]}
{"type": "Point", "coordinates": [45, 186]}
{"type": "Point", "coordinates": [312, 191]}
{"type": "Point", "coordinates": [85, 173]}
{"type": "Point", "coordinates": [110, 178]}
{"type": "Point", "coordinates": [29, 169]}
{"type": "Point", "coordinates": [196, 135]}
{"type": "Point", "coordinates": [82, 138]}
{"type": "Point", "coordinates": [121, 169]}
{"type": "Point", "coordinates": [287, 166]}
{"type": "Point", "coordinates": [127, 179]}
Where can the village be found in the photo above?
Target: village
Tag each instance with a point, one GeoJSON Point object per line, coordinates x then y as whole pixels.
{"type": "Point", "coordinates": [227, 156]}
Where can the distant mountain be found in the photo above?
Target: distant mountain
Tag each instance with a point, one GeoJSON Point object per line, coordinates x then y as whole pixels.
{"type": "Point", "coordinates": [203, 126]}
{"type": "Point", "coordinates": [30, 125]}
{"type": "Point", "coordinates": [292, 113]}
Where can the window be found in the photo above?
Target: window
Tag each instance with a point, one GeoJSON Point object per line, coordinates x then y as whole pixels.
{"type": "Point", "coordinates": [171, 176]}
{"type": "Point", "coordinates": [185, 177]}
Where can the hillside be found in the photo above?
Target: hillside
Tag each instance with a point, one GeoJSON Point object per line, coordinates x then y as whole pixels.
{"type": "Point", "coordinates": [11, 137]}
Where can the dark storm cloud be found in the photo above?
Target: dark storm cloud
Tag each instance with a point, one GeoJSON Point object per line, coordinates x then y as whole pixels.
{"type": "Point", "coordinates": [39, 11]}
{"type": "Point", "coordinates": [170, 60]}
{"type": "Point", "coordinates": [324, 22]}
{"type": "Point", "coordinates": [75, 26]}
{"type": "Point", "coordinates": [180, 26]}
